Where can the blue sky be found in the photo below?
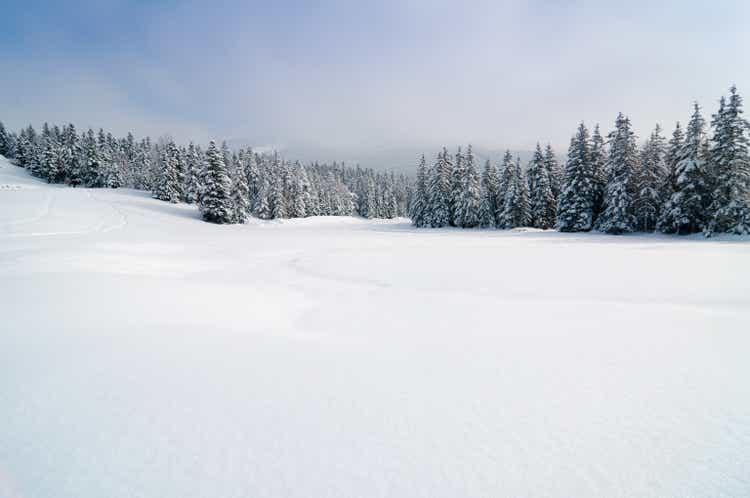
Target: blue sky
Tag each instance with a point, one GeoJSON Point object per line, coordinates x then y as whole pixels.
{"type": "Point", "coordinates": [355, 75]}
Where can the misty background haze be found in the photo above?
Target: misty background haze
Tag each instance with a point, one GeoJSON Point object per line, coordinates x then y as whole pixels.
{"type": "Point", "coordinates": [371, 83]}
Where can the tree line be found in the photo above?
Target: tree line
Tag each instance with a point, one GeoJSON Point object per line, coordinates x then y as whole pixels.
{"type": "Point", "coordinates": [689, 184]}
{"type": "Point", "coordinates": [228, 186]}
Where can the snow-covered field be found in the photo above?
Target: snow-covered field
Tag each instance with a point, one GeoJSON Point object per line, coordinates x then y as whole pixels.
{"type": "Point", "coordinates": [144, 353]}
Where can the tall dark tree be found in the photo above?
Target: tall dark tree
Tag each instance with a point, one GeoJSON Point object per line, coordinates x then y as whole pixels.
{"type": "Point", "coordinates": [729, 210]}
{"type": "Point", "coordinates": [541, 199]}
{"type": "Point", "coordinates": [684, 212]}
{"type": "Point", "coordinates": [651, 176]}
{"type": "Point", "coordinates": [419, 206]}
{"type": "Point", "coordinates": [622, 162]}
{"type": "Point", "coordinates": [217, 205]}
{"type": "Point", "coordinates": [575, 210]}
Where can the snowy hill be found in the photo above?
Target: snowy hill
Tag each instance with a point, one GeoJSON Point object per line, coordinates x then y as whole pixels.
{"type": "Point", "coordinates": [147, 353]}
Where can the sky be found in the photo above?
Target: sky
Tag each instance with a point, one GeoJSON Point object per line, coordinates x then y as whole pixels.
{"type": "Point", "coordinates": [352, 75]}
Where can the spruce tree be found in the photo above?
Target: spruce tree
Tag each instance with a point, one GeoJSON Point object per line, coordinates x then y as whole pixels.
{"type": "Point", "coordinates": [650, 179]}
{"type": "Point", "coordinates": [622, 161]}
{"type": "Point", "coordinates": [556, 176]}
{"type": "Point", "coordinates": [419, 203]}
{"type": "Point", "coordinates": [515, 211]}
{"type": "Point", "coordinates": [252, 175]}
{"type": "Point", "coordinates": [50, 160]}
{"type": "Point", "coordinates": [276, 196]}
{"type": "Point", "coordinates": [468, 196]}
{"type": "Point", "coordinates": [4, 141]}
{"type": "Point", "coordinates": [684, 212]}
{"type": "Point", "coordinates": [216, 205]}
{"type": "Point", "coordinates": [671, 156]}
{"type": "Point", "coordinates": [168, 185]}
{"type": "Point", "coordinates": [73, 157]}
{"type": "Point", "coordinates": [298, 192]}
{"type": "Point", "coordinates": [541, 199]}
{"type": "Point", "coordinates": [490, 188]}
{"type": "Point", "coordinates": [456, 185]}
{"type": "Point", "coordinates": [575, 210]}
{"type": "Point", "coordinates": [192, 175]}
{"type": "Point", "coordinates": [92, 166]}
{"type": "Point", "coordinates": [439, 193]}
{"type": "Point", "coordinates": [505, 180]}
{"type": "Point", "coordinates": [240, 193]}
{"type": "Point", "coordinates": [729, 210]}
{"type": "Point", "coordinates": [598, 159]}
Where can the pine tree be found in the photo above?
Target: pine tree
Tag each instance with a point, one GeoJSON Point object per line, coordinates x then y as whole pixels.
{"type": "Point", "coordinates": [240, 193]}
{"type": "Point", "coordinates": [541, 199]}
{"type": "Point", "coordinates": [50, 160]}
{"type": "Point", "coordinates": [276, 195]}
{"type": "Point", "coordinates": [456, 185]}
{"type": "Point", "coordinates": [507, 171]}
{"type": "Point", "coordinates": [73, 157]}
{"type": "Point", "coordinates": [92, 167]}
{"type": "Point", "coordinates": [252, 175]}
{"type": "Point", "coordinates": [192, 175]}
{"type": "Point", "coordinates": [729, 210]}
{"type": "Point", "coordinates": [217, 205]}
{"type": "Point", "coordinates": [439, 193]}
{"type": "Point", "coordinates": [671, 157]}
{"type": "Point", "coordinates": [598, 159]}
{"type": "Point", "coordinates": [554, 172]}
{"type": "Point", "coordinates": [575, 211]}
{"type": "Point", "coordinates": [299, 196]}
{"type": "Point", "coordinates": [419, 204]}
{"type": "Point", "coordinates": [490, 188]}
{"type": "Point", "coordinates": [622, 161]}
{"type": "Point", "coordinates": [647, 200]}
{"type": "Point", "coordinates": [516, 200]}
{"type": "Point", "coordinates": [4, 141]}
{"type": "Point", "coordinates": [684, 213]}
{"type": "Point", "coordinates": [468, 196]}
{"type": "Point", "coordinates": [168, 185]}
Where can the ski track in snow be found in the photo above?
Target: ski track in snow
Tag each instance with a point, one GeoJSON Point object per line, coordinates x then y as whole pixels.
{"type": "Point", "coordinates": [146, 353]}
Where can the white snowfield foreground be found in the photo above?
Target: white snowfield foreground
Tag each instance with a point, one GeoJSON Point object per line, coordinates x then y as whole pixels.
{"type": "Point", "coordinates": [145, 353]}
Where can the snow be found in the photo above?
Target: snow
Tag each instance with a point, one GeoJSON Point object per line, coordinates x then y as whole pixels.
{"type": "Point", "coordinates": [144, 353]}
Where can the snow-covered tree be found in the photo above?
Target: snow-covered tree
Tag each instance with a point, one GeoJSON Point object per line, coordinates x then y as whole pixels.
{"type": "Point", "coordinates": [92, 164]}
{"type": "Point", "coordinates": [541, 200]}
{"type": "Point", "coordinates": [671, 157]}
{"type": "Point", "coordinates": [192, 175]}
{"type": "Point", "coordinates": [216, 202]}
{"type": "Point", "coordinates": [169, 186]}
{"type": "Point", "coordinates": [622, 161]}
{"type": "Point", "coordinates": [50, 170]}
{"type": "Point", "coordinates": [469, 195]}
{"type": "Point", "coordinates": [4, 141]}
{"type": "Point", "coordinates": [575, 210]}
{"type": "Point", "coordinates": [276, 196]}
{"type": "Point", "coordinates": [419, 206]}
{"type": "Point", "coordinates": [505, 179]}
{"type": "Point", "coordinates": [456, 184]}
{"type": "Point", "coordinates": [490, 189]}
{"type": "Point", "coordinates": [650, 179]}
{"type": "Point", "coordinates": [240, 193]}
{"type": "Point", "coordinates": [729, 210]}
{"type": "Point", "coordinates": [556, 175]}
{"type": "Point", "coordinates": [598, 160]}
{"type": "Point", "coordinates": [515, 211]}
{"type": "Point", "coordinates": [684, 212]}
{"type": "Point", "coordinates": [439, 191]}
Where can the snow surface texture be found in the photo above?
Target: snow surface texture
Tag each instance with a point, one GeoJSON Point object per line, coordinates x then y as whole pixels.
{"type": "Point", "coordinates": [145, 353]}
